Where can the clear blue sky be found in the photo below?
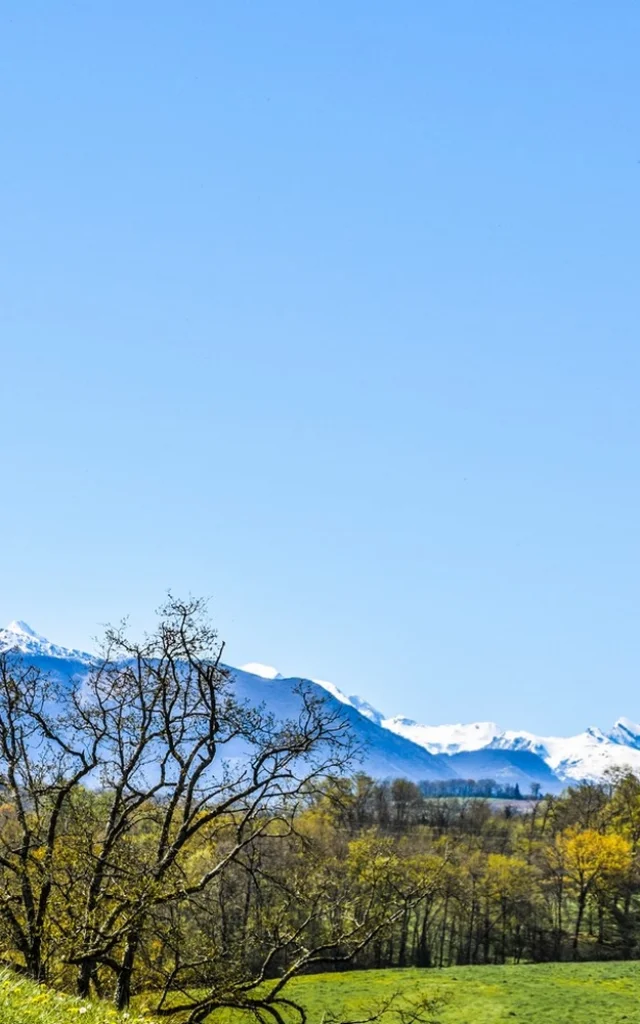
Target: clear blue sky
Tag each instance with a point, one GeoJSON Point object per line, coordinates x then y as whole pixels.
{"type": "Point", "coordinates": [330, 311]}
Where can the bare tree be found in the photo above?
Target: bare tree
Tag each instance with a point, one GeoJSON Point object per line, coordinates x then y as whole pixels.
{"type": "Point", "coordinates": [42, 760]}
{"type": "Point", "coordinates": [182, 761]}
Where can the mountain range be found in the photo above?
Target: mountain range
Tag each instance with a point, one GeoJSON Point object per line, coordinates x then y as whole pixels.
{"type": "Point", "coordinates": [399, 747]}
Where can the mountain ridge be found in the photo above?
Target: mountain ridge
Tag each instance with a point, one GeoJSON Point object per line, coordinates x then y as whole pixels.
{"type": "Point", "coordinates": [400, 745]}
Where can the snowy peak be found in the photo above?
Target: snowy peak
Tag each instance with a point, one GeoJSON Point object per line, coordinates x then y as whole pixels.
{"type": "Point", "coordinates": [21, 628]}
{"type": "Point", "coordinates": [626, 732]}
{"type": "Point", "coordinates": [445, 739]}
{"type": "Point", "coordinates": [587, 756]}
{"type": "Point", "coordinates": [511, 740]}
{"type": "Point", "coordinates": [362, 706]}
{"type": "Point", "coordinates": [19, 637]}
{"type": "Point", "coordinates": [596, 734]}
{"type": "Point", "coordinates": [255, 668]}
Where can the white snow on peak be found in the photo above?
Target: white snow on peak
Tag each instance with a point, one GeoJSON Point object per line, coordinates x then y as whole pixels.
{"type": "Point", "coordinates": [573, 758]}
{"type": "Point", "coordinates": [588, 755]}
{"type": "Point", "coordinates": [585, 756]}
{"type": "Point", "coordinates": [18, 636]}
{"type": "Point", "coordinates": [366, 709]}
{"type": "Point", "coordinates": [254, 668]}
{"type": "Point", "coordinates": [357, 703]}
{"type": "Point", "coordinates": [333, 690]}
{"type": "Point", "coordinates": [22, 629]}
{"type": "Point", "coordinates": [626, 732]}
{"type": "Point", "coordinates": [445, 739]}
{"type": "Point", "coordinates": [626, 723]}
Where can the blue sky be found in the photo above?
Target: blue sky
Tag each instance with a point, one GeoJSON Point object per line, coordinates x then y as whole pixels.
{"type": "Point", "coordinates": [330, 312]}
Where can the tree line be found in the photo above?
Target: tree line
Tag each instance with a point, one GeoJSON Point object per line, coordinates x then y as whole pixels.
{"type": "Point", "coordinates": [487, 788]}
{"type": "Point", "coordinates": [160, 838]}
{"type": "Point", "coordinates": [561, 881]}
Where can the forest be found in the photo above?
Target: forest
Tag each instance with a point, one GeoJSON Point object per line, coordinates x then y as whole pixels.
{"type": "Point", "coordinates": [160, 839]}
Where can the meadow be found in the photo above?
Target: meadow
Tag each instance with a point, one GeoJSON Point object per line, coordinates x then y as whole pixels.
{"type": "Point", "coordinates": [587, 993]}
{"type": "Point", "coordinates": [590, 993]}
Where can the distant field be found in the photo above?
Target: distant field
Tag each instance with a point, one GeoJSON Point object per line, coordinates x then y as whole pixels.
{"type": "Point", "coordinates": [526, 994]}
{"type": "Point", "coordinates": [497, 803]}
{"type": "Point", "coordinates": [517, 806]}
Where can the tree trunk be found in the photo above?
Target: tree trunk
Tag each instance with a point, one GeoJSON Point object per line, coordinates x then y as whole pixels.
{"type": "Point", "coordinates": [424, 952]}
{"type": "Point", "coordinates": [443, 935]}
{"type": "Point", "coordinates": [472, 922]}
{"type": "Point", "coordinates": [35, 968]}
{"type": "Point", "coordinates": [123, 986]}
{"type": "Point", "coordinates": [404, 929]}
{"type": "Point", "coordinates": [582, 899]}
{"type": "Point", "coordinates": [83, 981]}
{"type": "Point", "coordinates": [558, 941]}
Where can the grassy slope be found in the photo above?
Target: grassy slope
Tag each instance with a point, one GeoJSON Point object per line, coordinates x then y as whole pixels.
{"type": "Point", "coordinates": [526, 994]}
{"type": "Point", "coordinates": [23, 1002]}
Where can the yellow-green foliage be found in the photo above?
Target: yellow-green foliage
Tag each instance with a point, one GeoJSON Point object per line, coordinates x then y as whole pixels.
{"type": "Point", "coordinates": [24, 1002]}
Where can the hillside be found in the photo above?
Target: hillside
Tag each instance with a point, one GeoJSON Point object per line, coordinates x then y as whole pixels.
{"type": "Point", "coordinates": [24, 1002]}
{"type": "Point", "coordinates": [505, 766]}
{"type": "Point", "coordinates": [381, 753]}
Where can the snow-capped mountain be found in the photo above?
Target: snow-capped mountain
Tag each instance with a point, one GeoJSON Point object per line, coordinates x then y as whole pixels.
{"type": "Point", "coordinates": [254, 668]}
{"type": "Point", "coordinates": [444, 739]}
{"type": "Point", "coordinates": [626, 732]}
{"type": "Point", "coordinates": [587, 756]}
{"type": "Point", "coordinates": [399, 746]}
{"type": "Point", "coordinates": [382, 754]}
{"type": "Point", "coordinates": [269, 672]}
{"type": "Point", "coordinates": [20, 637]}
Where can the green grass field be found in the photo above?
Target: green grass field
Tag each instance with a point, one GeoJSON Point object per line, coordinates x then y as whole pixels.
{"type": "Point", "coordinates": [544, 994]}
{"type": "Point", "coordinates": [525, 994]}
